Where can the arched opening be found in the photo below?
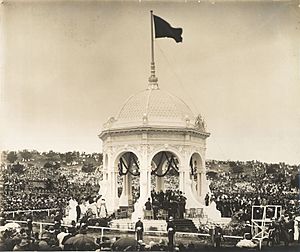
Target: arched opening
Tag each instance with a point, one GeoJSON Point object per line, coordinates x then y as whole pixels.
{"type": "Point", "coordinates": [128, 179]}
{"type": "Point", "coordinates": [165, 171]}
{"type": "Point", "coordinates": [196, 172]}
{"type": "Point", "coordinates": [167, 200]}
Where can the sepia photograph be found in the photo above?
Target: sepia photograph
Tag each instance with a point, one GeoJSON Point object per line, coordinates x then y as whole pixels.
{"type": "Point", "coordinates": [149, 125]}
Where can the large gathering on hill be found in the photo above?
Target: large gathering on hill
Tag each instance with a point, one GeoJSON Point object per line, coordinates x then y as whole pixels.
{"type": "Point", "coordinates": [36, 181]}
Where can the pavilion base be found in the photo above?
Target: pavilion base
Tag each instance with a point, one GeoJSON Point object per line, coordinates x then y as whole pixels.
{"type": "Point", "coordinates": [211, 213]}
{"type": "Point", "coordinates": [200, 222]}
{"type": "Point", "coordinates": [161, 225]}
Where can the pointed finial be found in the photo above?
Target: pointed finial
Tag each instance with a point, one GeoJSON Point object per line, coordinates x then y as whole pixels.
{"type": "Point", "coordinates": [153, 79]}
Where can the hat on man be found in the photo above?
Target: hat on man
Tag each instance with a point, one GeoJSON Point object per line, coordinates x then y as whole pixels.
{"type": "Point", "coordinates": [43, 246]}
{"type": "Point", "coordinates": [51, 230]}
{"type": "Point", "coordinates": [23, 243]}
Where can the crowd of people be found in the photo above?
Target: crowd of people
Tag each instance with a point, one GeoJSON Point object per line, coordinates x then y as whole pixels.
{"type": "Point", "coordinates": [53, 238]}
{"type": "Point", "coordinates": [282, 229]}
{"type": "Point", "coordinates": [171, 201]}
{"type": "Point", "coordinates": [235, 196]}
{"type": "Point", "coordinates": [40, 188]}
{"type": "Point", "coordinates": [75, 238]}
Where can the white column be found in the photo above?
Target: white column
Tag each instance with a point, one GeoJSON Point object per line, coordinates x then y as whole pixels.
{"type": "Point", "coordinates": [145, 185]}
{"type": "Point", "coordinates": [204, 181]}
{"type": "Point", "coordinates": [124, 195]}
{"type": "Point", "coordinates": [184, 175]}
{"type": "Point", "coordinates": [159, 181]}
{"type": "Point", "coordinates": [149, 182]}
{"type": "Point", "coordinates": [108, 188]}
{"type": "Point", "coordinates": [204, 185]}
{"type": "Point", "coordinates": [181, 180]}
{"type": "Point", "coordinates": [159, 184]}
{"type": "Point", "coordinates": [103, 183]}
{"type": "Point", "coordinates": [186, 185]}
{"type": "Point", "coordinates": [115, 188]}
{"type": "Point", "coordinates": [125, 185]}
{"type": "Point", "coordinates": [129, 188]}
{"type": "Point", "coordinates": [199, 176]}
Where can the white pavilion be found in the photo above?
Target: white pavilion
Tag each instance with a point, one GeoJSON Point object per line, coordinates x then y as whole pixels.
{"type": "Point", "coordinates": [153, 130]}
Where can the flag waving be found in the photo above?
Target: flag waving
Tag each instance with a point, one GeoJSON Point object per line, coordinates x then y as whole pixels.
{"type": "Point", "coordinates": [164, 30]}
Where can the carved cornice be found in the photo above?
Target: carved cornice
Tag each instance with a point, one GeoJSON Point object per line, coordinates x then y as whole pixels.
{"type": "Point", "coordinates": [148, 129]}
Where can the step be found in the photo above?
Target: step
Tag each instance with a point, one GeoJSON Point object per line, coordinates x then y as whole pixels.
{"type": "Point", "coordinates": [185, 225]}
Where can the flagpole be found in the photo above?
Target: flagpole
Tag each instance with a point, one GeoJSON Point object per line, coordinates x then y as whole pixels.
{"type": "Point", "coordinates": [152, 79]}
{"type": "Point", "coordinates": [152, 39]}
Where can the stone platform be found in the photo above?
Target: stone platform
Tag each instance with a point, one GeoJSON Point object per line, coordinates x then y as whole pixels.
{"type": "Point", "coordinates": [198, 222]}
{"type": "Point", "coordinates": [160, 225]}
{"type": "Point", "coordinates": [153, 225]}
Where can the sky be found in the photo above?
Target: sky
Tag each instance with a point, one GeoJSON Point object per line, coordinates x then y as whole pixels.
{"type": "Point", "coordinates": [67, 66]}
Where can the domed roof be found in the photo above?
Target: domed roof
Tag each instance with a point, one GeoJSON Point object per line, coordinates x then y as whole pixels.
{"type": "Point", "coordinates": [153, 107]}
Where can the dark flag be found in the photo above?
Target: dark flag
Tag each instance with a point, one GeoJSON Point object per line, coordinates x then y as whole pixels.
{"type": "Point", "coordinates": [164, 30]}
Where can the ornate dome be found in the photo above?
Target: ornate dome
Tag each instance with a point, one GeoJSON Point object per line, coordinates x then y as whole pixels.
{"type": "Point", "coordinates": [153, 107]}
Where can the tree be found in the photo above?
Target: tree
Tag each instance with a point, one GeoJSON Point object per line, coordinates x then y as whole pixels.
{"type": "Point", "coordinates": [52, 156]}
{"type": "Point", "coordinates": [56, 165]}
{"type": "Point", "coordinates": [212, 174]}
{"type": "Point", "coordinates": [26, 155]}
{"type": "Point", "coordinates": [237, 169]}
{"type": "Point", "coordinates": [49, 184]}
{"type": "Point", "coordinates": [62, 157]}
{"type": "Point", "coordinates": [18, 168]}
{"type": "Point", "coordinates": [232, 164]}
{"type": "Point", "coordinates": [295, 182]}
{"type": "Point", "coordinates": [12, 156]}
{"type": "Point", "coordinates": [273, 168]}
{"type": "Point", "coordinates": [69, 157]}
{"type": "Point", "coordinates": [98, 157]}
{"type": "Point", "coordinates": [90, 164]}
{"type": "Point", "coordinates": [88, 167]}
{"type": "Point", "coordinates": [48, 165]}
{"type": "Point", "coordinates": [280, 177]}
{"type": "Point", "coordinates": [76, 155]}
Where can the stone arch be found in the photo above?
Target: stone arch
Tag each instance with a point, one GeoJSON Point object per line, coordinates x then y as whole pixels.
{"type": "Point", "coordinates": [126, 166]}
{"type": "Point", "coordinates": [169, 149]}
{"type": "Point", "coordinates": [165, 167]}
{"type": "Point", "coordinates": [119, 153]}
{"type": "Point", "coordinates": [196, 161]}
{"type": "Point", "coordinates": [197, 173]}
